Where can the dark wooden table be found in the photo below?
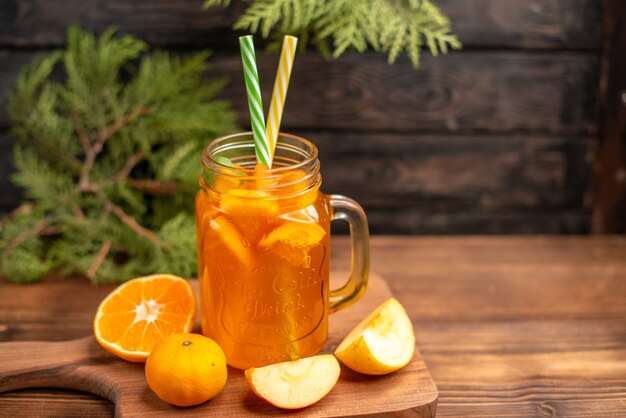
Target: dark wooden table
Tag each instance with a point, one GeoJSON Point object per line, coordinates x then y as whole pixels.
{"type": "Point", "coordinates": [519, 326]}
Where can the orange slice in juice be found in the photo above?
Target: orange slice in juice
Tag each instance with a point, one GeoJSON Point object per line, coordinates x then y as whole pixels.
{"type": "Point", "coordinates": [225, 178]}
{"type": "Point", "coordinates": [294, 190]}
{"type": "Point", "coordinates": [293, 240]}
{"type": "Point", "coordinates": [223, 184]}
{"type": "Point", "coordinates": [253, 211]}
{"type": "Point", "coordinates": [295, 234]}
{"type": "Point", "coordinates": [258, 181]}
{"type": "Point", "coordinates": [233, 240]}
{"type": "Point", "coordinates": [245, 201]}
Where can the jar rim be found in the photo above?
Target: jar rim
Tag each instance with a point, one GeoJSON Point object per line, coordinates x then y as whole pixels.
{"type": "Point", "coordinates": [210, 163]}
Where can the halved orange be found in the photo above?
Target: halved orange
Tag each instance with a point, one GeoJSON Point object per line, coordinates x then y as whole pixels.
{"type": "Point", "coordinates": [142, 311]}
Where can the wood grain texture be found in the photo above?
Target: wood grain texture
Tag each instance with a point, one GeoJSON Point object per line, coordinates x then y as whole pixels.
{"type": "Point", "coordinates": [543, 24]}
{"type": "Point", "coordinates": [442, 172]}
{"type": "Point", "coordinates": [463, 92]}
{"type": "Point", "coordinates": [506, 279]}
{"type": "Point", "coordinates": [509, 326]}
{"type": "Point", "coordinates": [444, 184]}
{"type": "Point", "coordinates": [450, 184]}
{"type": "Point", "coordinates": [471, 174]}
{"type": "Point", "coordinates": [519, 326]}
{"type": "Point", "coordinates": [52, 402]}
{"type": "Point", "coordinates": [571, 24]}
{"type": "Point", "coordinates": [83, 364]}
{"type": "Point", "coordinates": [610, 159]}
{"type": "Point", "coordinates": [43, 23]}
{"type": "Point", "coordinates": [10, 195]}
{"type": "Point", "coordinates": [530, 368]}
{"type": "Point", "coordinates": [425, 221]}
{"type": "Point", "coordinates": [432, 144]}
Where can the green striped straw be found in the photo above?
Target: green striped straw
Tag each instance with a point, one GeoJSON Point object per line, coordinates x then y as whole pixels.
{"type": "Point", "coordinates": [251, 76]}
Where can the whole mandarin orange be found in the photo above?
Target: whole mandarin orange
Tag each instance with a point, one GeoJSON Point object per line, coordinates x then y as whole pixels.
{"type": "Point", "coordinates": [186, 369]}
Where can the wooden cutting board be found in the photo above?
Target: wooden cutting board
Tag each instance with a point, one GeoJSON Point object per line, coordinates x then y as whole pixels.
{"type": "Point", "coordinates": [82, 364]}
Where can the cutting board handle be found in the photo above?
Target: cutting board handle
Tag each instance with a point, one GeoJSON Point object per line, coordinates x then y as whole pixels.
{"type": "Point", "coordinates": [32, 364]}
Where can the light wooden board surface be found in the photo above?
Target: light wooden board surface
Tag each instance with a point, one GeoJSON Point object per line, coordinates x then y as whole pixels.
{"type": "Point", "coordinates": [82, 364]}
{"type": "Point", "coordinates": [508, 326]}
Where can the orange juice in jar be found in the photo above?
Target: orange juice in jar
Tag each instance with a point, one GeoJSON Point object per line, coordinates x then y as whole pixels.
{"type": "Point", "coordinates": [264, 251]}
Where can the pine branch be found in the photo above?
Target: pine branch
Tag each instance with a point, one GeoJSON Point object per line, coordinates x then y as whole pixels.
{"type": "Point", "coordinates": [98, 260]}
{"type": "Point", "coordinates": [130, 221]}
{"type": "Point", "coordinates": [107, 132]}
{"type": "Point", "coordinates": [211, 3]}
{"type": "Point", "coordinates": [155, 187]}
{"type": "Point", "coordinates": [92, 150]}
{"type": "Point", "coordinates": [55, 152]}
{"type": "Point", "coordinates": [128, 166]}
{"type": "Point", "coordinates": [24, 235]}
{"type": "Point", "coordinates": [78, 212]}
{"type": "Point", "coordinates": [97, 157]}
{"type": "Point", "coordinates": [82, 134]}
{"type": "Point", "coordinates": [389, 26]}
{"type": "Point", "coordinates": [90, 155]}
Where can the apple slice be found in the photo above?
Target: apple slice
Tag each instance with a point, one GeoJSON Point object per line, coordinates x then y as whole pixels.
{"type": "Point", "coordinates": [295, 384]}
{"type": "Point", "coordinates": [382, 343]}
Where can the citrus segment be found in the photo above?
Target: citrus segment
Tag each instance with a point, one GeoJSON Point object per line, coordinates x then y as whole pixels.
{"type": "Point", "coordinates": [293, 240]}
{"type": "Point", "coordinates": [260, 178]}
{"type": "Point", "coordinates": [232, 238]}
{"type": "Point", "coordinates": [296, 190]}
{"type": "Point", "coordinates": [293, 255]}
{"type": "Point", "coordinates": [295, 234]}
{"type": "Point", "coordinates": [251, 210]}
{"type": "Point", "coordinates": [140, 312]}
{"type": "Point", "coordinates": [186, 369]}
{"type": "Point", "coordinates": [382, 343]}
{"type": "Point", "coordinates": [225, 180]}
{"type": "Point", "coordinates": [248, 202]}
{"type": "Point", "coordinates": [295, 384]}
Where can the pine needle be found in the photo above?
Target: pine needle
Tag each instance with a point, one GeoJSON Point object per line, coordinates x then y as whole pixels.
{"type": "Point", "coordinates": [94, 151]}
{"type": "Point", "coordinates": [393, 27]}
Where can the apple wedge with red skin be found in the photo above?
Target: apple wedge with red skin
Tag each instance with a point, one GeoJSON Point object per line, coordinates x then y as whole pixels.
{"type": "Point", "coordinates": [295, 384]}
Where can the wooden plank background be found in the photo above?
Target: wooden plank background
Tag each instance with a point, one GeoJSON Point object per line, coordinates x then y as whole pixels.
{"type": "Point", "coordinates": [497, 138]}
{"type": "Point", "coordinates": [609, 203]}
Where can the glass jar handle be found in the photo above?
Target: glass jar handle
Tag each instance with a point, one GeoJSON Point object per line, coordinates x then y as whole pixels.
{"type": "Point", "coordinates": [348, 210]}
